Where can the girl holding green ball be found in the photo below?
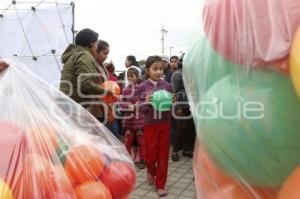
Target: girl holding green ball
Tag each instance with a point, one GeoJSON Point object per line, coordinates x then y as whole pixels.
{"type": "Point", "coordinates": [156, 125]}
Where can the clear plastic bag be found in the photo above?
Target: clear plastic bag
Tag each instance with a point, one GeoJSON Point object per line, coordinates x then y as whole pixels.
{"type": "Point", "coordinates": [243, 99]}
{"type": "Point", "coordinates": [53, 148]}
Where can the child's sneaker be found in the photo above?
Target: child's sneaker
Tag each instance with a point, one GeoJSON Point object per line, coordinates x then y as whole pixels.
{"type": "Point", "coordinates": [142, 164]}
{"type": "Point", "coordinates": [175, 157]}
{"type": "Point", "coordinates": [162, 192]}
{"type": "Point", "coordinates": [187, 154]}
{"type": "Point", "coordinates": [150, 179]}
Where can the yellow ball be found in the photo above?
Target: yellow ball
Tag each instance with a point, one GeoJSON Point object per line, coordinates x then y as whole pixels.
{"type": "Point", "coordinates": [5, 192]}
{"type": "Point", "coordinates": [295, 62]}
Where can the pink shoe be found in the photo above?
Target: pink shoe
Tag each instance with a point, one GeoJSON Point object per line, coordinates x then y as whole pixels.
{"type": "Point", "coordinates": [150, 179]}
{"type": "Point", "coordinates": [162, 192]}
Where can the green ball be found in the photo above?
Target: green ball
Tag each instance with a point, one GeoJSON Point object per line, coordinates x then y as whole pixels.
{"type": "Point", "coordinates": [250, 127]}
{"type": "Point", "coordinates": [162, 100]}
{"type": "Point", "coordinates": [61, 151]}
{"type": "Point", "coordinates": [203, 66]}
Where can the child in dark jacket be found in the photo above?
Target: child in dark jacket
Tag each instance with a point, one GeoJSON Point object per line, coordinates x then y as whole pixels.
{"type": "Point", "coordinates": [156, 125]}
{"type": "Point", "coordinates": [133, 123]}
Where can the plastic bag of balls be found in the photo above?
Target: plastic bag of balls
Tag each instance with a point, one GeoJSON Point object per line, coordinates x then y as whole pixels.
{"type": "Point", "coordinates": [242, 75]}
{"type": "Point", "coordinates": [52, 148]}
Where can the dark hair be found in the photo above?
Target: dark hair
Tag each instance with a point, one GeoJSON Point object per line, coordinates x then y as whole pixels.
{"type": "Point", "coordinates": [85, 37]}
{"type": "Point", "coordinates": [132, 59]}
{"type": "Point", "coordinates": [153, 59]}
{"type": "Point", "coordinates": [110, 67]}
{"type": "Point", "coordinates": [101, 45]}
{"type": "Point", "coordinates": [133, 71]}
{"type": "Point", "coordinates": [180, 61]}
{"type": "Point", "coordinates": [174, 57]}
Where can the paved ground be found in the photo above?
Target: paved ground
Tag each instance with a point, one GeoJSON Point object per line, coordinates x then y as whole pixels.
{"type": "Point", "coordinates": [180, 182]}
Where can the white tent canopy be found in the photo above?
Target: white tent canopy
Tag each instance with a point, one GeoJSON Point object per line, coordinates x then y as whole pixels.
{"type": "Point", "coordinates": [37, 33]}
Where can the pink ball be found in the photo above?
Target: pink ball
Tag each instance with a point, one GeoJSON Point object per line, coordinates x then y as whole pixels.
{"type": "Point", "coordinates": [252, 33]}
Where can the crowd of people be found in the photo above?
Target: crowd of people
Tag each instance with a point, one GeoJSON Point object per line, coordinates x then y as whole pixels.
{"type": "Point", "coordinates": [147, 134]}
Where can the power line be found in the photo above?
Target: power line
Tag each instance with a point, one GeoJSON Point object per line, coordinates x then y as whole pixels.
{"type": "Point", "coordinates": [148, 51]}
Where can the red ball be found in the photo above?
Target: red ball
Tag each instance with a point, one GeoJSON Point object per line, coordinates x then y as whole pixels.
{"type": "Point", "coordinates": [42, 139]}
{"type": "Point", "coordinates": [36, 171]}
{"type": "Point", "coordinates": [116, 90]}
{"type": "Point", "coordinates": [12, 145]}
{"type": "Point", "coordinates": [120, 178]}
{"type": "Point", "coordinates": [251, 33]}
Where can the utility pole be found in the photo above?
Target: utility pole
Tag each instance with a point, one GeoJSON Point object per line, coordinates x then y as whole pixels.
{"type": "Point", "coordinates": [163, 31]}
{"type": "Point", "coordinates": [171, 50]}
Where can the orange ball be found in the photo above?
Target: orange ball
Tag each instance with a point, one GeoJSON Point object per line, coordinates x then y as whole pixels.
{"type": "Point", "coordinates": [208, 177]}
{"type": "Point", "coordinates": [84, 163]}
{"type": "Point", "coordinates": [59, 181]}
{"type": "Point", "coordinates": [42, 179]}
{"type": "Point", "coordinates": [115, 88]}
{"type": "Point", "coordinates": [61, 195]}
{"type": "Point", "coordinates": [42, 139]}
{"type": "Point", "coordinates": [237, 191]}
{"type": "Point", "coordinates": [214, 184]}
{"type": "Point", "coordinates": [92, 190]}
{"type": "Point", "coordinates": [232, 191]}
{"type": "Point", "coordinates": [290, 188]}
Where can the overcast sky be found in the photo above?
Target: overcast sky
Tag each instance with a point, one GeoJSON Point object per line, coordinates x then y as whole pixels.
{"type": "Point", "coordinates": [133, 26]}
